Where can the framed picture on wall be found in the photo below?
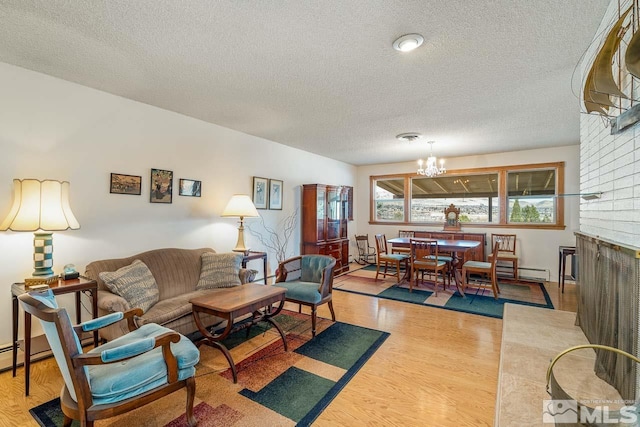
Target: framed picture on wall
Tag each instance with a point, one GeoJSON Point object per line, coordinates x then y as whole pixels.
{"type": "Point", "coordinates": [275, 194]}
{"type": "Point", "coordinates": [125, 184]}
{"type": "Point", "coordinates": [189, 187]}
{"type": "Point", "coordinates": [161, 186]}
{"type": "Point", "coordinates": [260, 192]}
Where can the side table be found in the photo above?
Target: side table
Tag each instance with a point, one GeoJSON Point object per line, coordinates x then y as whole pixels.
{"type": "Point", "coordinates": [563, 253]}
{"type": "Point", "coordinates": [252, 255]}
{"type": "Point", "coordinates": [76, 286]}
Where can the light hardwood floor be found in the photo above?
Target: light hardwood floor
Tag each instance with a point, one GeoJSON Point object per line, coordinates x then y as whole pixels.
{"type": "Point", "coordinates": [438, 368]}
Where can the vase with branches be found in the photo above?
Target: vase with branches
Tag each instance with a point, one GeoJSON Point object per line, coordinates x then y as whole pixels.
{"type": "Point", "coordinates": [275, 239]}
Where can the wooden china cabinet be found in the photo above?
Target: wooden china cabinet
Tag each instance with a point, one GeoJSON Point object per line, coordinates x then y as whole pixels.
{"type": "Point", "coordinates": [326, 209]}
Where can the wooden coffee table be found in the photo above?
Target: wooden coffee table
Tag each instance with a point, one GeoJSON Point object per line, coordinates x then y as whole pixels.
{"type": "Point", "coordinates": [230, 304]}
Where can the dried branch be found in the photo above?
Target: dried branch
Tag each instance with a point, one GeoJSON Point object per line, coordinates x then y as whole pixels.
{"type": "Point", "coordinates": [275, 241]}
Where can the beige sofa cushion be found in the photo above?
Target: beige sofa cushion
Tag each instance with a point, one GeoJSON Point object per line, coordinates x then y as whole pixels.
{"type": "Point", "coordinates": [134, 283]}
{"type": "Point", "coordinates": [219, 270]}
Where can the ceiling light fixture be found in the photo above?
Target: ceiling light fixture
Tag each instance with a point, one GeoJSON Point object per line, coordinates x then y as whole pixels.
{"type": "Point", "coordinates": [430, 169]}
{"type": "Point", "coordinates": [408, 136]}
{"type": "Point", "coordinates": [408, 42]}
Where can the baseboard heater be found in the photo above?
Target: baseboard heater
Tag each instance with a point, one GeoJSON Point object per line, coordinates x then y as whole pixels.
{"type": "Point", "coordinates": [528, 273]}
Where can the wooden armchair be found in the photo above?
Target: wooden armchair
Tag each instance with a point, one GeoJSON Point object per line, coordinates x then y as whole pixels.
{"type": "Point", "coordinates": [506, 250]}
{"type": "Point", "coordinates": [128, 372]}
{"type": "Point", "coordinates": [385, 258]}
{"type": "Point", "coordinates": [366, 252]}
{"type": "Point", "coordinates": [308, 280]}
{"type": "Point", "coordinates": [486, 268]}
{"type": "Point", "coordinates": [425, 257]}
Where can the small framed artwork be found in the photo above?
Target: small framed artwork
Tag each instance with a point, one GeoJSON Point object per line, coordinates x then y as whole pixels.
{"type": "Point", "coordinates": [161, 186]}
{"type": "Point", "coordinates": [189, 187]}
{"type": "Point", "coordinates": [275, 194]}
{"type": "Point", "coordinates": [125, 184]}
{"type": "Point", "coordinates": [260, 196]}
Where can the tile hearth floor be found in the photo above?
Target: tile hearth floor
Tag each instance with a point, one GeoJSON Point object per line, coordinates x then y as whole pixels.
{"type": "Point", "coordinates": [531, 338]}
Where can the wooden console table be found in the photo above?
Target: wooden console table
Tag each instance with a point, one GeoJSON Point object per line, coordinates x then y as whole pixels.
{"type": "Point", "coordinates": [76, 286]}
{"type": "Point", "coordinates": [230, 304]}
{"type": "Point", "coordinates": [252, 255]}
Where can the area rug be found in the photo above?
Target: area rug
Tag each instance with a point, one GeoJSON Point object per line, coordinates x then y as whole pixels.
{"type": "Point", "coordinates": [479, 299]}
{"type": "Point", "coordinates": [275, 388]}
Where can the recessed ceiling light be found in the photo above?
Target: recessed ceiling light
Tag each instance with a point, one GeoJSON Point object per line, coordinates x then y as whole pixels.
{"type": "Point", "coordinates": [408, 42]}
{"type": "Point", "coordinates": [409, 136]}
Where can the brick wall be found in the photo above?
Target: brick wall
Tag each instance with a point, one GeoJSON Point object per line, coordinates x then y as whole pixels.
{"type": "Point", "coordinates": [610, 164]}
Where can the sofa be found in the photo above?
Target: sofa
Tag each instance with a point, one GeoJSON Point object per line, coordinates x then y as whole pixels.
{"type": "Point", "coordinates": [177, 274]}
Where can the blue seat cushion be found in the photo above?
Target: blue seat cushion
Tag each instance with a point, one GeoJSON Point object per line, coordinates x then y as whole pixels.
{"type": "Point", "coordinates": [445, 258]}
{"type": "Point", "coordinates": [477, 264]}
{"type": "Point", "coordinates": [301, 291]}
{"type": "Point", "coordinates": [121, 380]}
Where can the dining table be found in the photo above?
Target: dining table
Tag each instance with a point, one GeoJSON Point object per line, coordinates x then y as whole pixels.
{"type": "Point", "coordinates": [454, 246]}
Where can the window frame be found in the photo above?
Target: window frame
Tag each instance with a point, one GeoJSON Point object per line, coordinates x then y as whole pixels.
{"type": "Point", "coordinates": [502, 196]}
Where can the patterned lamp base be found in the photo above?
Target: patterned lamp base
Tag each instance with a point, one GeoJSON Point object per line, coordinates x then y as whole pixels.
{"type": "Point", "coordinates": [42, 254]}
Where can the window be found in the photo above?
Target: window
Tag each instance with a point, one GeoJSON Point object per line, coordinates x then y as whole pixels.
{"type": "Point", "coordinates": [475, 194]}
{"type": "Point", "coordinates": [531, 196]}
{"type": "Point", "coordinates": [389, 200]}
{"type": "Point", "coordinates": [510, 196]}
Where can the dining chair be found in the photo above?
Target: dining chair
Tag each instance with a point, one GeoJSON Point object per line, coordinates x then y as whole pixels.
{"type": "Point", "coordinates": [384, 258]}
{"type": "Point", "coordinates": [402, 250]}
{"type": "Point", "coordinates": [485, 268]}
{"type": "Point", "coordinates": [506, 249]}
{"type": "Point", "coordinates": [365, 250]}
{"type": "Point", "coordinates": [308, 280]}
{"type": "Point", "coordinates": [425, 258]}
{"type": "Point", "coordinates": [127, 372]}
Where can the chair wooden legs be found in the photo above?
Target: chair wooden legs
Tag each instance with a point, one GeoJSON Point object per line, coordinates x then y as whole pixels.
{"type": "Point", "coordinates": [313, 321]}
{"type": "Point", "coordinates": [191, 394]}
{"type": "Point", "coordinates": [333, 314]}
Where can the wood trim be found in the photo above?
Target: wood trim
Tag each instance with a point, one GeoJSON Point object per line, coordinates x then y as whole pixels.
{"type": "Point", "coordinates": [502, 196]}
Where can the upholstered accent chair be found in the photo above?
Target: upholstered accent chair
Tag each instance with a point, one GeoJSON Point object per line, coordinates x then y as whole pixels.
{"type": "Point", "coordinates": [484, 268]}
{"type": "Point", "coordinates": [385, 259]}
{"type": "Point", "coordinates": [308, 280]}
{"type": "Point", "coordinates": [132, 370]}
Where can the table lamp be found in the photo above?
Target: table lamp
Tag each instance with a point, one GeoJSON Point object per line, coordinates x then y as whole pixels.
{"type": "Point", "coordinates": [41, 207]}
{"type": "Point", "coordinates": [241, 206]}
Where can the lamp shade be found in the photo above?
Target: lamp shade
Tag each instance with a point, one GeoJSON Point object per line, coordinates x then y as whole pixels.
{"type": "Point", "coordinates": [40, 205]}
{"type": "Point", "coordinates": [241, 206]}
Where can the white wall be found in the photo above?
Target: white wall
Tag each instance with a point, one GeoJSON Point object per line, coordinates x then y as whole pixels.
{"type": "Point", "coordinates": [53, 129]}
{"type": "Point", "coordinates": [610, 164]}
{"type": "Point", "coordinates": [536, 248]}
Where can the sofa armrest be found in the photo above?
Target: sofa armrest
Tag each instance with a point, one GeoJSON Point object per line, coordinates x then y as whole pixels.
{"type": "Point", "coordinates": [247, 275]}
{"type": "Point", "coordinates": [110, 303]}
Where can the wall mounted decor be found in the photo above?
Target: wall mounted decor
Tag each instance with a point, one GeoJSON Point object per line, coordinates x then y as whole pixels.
{"type": "Point", "coordinates": [125, 184]}
{"type": "Point", "coordinates": [161, 186]}
{"type": "Point", "coordinates": [189, 187]}
{"type": "Point", "coordinates": [260, 192]}
{"type": "Point", "coordinates": [275, 194]}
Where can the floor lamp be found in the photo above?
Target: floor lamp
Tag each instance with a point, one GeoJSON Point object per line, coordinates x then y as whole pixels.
{"type": "Point", "coordinates": [241, 206]}
{"type": "Point", "coordinates": [41, 207]}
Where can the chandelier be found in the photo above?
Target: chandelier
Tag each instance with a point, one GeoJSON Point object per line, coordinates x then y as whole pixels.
{"type": "Point", "coordinates": [430, 168]}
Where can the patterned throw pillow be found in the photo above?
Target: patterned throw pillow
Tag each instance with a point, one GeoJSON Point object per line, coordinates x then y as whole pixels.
{"type": "Point", "coordinates": [219, 270]}
{"type": "Point", "coordinates": [134, 283]}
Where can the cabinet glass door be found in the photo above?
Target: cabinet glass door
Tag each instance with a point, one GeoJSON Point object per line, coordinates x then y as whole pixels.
{"type": "Point", "coordinates": [334, 212]}
{"type": "Point", "coordinates": [320, 213]}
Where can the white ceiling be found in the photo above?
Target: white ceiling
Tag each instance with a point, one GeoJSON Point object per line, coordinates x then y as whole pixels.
{"type": "Point", "coordinates": [492, 75]}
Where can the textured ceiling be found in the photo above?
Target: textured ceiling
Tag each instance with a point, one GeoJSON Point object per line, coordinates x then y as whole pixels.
{"type": "Point", "coordinates": [492, 75]}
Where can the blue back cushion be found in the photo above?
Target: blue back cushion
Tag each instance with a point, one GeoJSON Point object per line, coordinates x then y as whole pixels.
{"type": "Point", "coordinates": [312, 267]}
